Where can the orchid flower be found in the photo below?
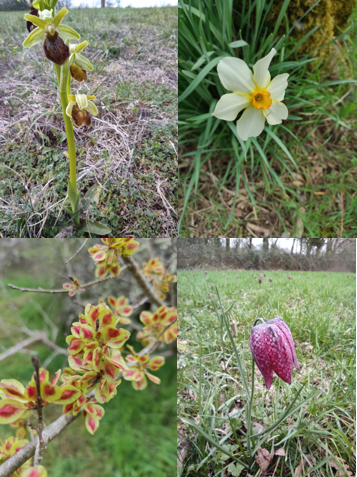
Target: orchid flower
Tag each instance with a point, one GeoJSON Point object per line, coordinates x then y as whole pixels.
{"type": "Point", "coordinates": [259, 95]}
{"type": "Point", "coordinates": [79, 109]}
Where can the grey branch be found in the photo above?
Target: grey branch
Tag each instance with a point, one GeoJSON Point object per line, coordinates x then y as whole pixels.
{"type": "Point", "coordinates": [42, 290]}
{"type": "Point", "coordinates": [83, 244]}
{"type": "Point", "coordinates": [23, 455]}
{"type": "Point", "coordinates": [141, 280]}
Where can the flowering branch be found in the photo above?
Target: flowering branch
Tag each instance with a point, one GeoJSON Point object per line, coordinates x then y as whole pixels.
{"type": "Point", "coordinates": [24, 454]}
{"type": "Point", "coordinates": [42, 290]}
{"type": "Point", "coordinates": [136, 273]}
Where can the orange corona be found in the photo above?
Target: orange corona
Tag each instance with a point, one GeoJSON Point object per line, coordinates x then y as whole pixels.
{"type": "Point", "coordinates": [261, 99]}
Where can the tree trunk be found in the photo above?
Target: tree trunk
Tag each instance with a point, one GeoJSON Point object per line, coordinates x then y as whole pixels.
{"type": "Point", "coordinates": [292, 248]}
{"type": "Point", "coordinates": [102, 3]}
{"type": "Point", "coordinates": [250, 243]}
{"type": "Point", "coordinates": [265, 244]}
{"type": "Point", "coordinates": [228, 245]}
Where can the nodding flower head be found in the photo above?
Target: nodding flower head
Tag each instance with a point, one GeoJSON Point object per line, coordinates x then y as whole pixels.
{"type": "Point", "coordinates": [54, 47]}
{"type": "Point", "coordinates": [30, 25]}
{"type": "Point", "coordinates": [273, 349]}
{"type": "Point", "coordinates": [79, 63]}
{"type": "Point", "coordinates": [270, 279]}
{"type": "Point", "coordinates": [260, 281]}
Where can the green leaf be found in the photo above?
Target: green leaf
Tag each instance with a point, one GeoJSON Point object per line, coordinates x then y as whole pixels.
{"type": "Point", "coordinates": [200, 77]}
{"type": "Point", "coordinates": [95, 228]}
{"type": "Point", "coordinates": [61, 137]}
{"type": "Point", "coordinates": [235, 469]}
{"type": "Point", "coordinates": [329, 83]}
{"type": "Point", "coordinates": [238, 44]}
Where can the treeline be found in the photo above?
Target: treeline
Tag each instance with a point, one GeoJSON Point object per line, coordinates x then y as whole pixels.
{"type": "Point", "coordinates": [13, 5]}
{"type": "Point", "coordinates": [302, 254]}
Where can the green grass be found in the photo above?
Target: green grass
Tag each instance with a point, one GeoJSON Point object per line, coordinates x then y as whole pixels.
{"type": "Point", "coordinates": [133, 52]}
{"type": "Point", "coordinates": [137, 435]}
{"type": "Point", "coordinates": [305, 189]}
{"type": "Point", "coordinates": [319, 308]}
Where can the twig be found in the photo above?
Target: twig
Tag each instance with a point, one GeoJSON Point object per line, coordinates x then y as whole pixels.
{"type": "Point", "coordinates": [166, 203]}
{"type": "Point", "coordinates": [141, 280]}
{"type": "Point", "coordinates": [24, 454]}
{"type": "Point", "coordinates": [42, 290]}
{"type": "Point", "coordinates": [41, 445]}
{"type": "Point", "coordinates": [77, 251]}
{"type": "Point", "coordinates": [152, 346]}
{"type": "Point", "coordinates": [17, 347]}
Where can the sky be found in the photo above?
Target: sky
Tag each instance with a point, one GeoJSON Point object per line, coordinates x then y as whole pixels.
{"type": "Point", "coordinates": [132, 3]}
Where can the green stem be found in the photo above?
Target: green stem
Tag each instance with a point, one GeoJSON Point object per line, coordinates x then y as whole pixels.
{"type": "Point", "coordinates": [64, 87]}
{"type": "Point", "coordinates": [261, 319]}
{"type": "Point", "coordinates": [250, 405]}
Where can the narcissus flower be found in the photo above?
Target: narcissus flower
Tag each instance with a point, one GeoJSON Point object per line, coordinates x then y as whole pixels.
{"type": "Point", "coordinates": [80, 108]}
{"type": "Point", "coordinates": [155, 323]}
{"type": "Point", "coordinates": [137, 373]}
{"type": "Point", "coordinates": [106, 256]}
{"type": "Point", "coordinates": [257, 94]}
{"type": "Point", "coordinates": [52, 34]}
{"type": "Point", "coordinates": [72, 287]}
{"type": "Point", "coordinates": [273, 349]}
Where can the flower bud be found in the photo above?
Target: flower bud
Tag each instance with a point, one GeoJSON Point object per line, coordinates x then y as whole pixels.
{"type": "Point", "coordinates": [55, 48]}
{"type": "Point", "coordinates": [81, 116]}
{"type": "Point", "coordinates": [77, 73]}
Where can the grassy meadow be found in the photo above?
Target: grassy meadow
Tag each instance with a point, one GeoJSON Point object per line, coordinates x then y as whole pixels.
{"type": "Point", "coordinates": [137, 435]}
{"type": "Point", "coordinates": [131, 149]}
{"type": "Point", "coordinates": [318, 437]}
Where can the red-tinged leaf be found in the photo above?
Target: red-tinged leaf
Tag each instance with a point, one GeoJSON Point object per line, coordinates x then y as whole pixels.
{"type": "Point", "coordinates": [121, 301]}
{"type": "Point", "coordinates": [115, 337]}
{"type": "Point", "coordinates": [56, 378]}
{"type": "Point", "coordinates": [123, 321]}
{"type": "Point", "coordinates": [81, 400]}
{"type": "Point", "coordinates": [117, 360]}
{"type": "Point", "coordinates": [72, 293]}
{"type": "Point", "coordinates": [67, 285]}
{"type": "Point", "coordinates": [133, 374]}
{"type": "Point", "coordinates": [99, 256]}
{"type": "Point", "coordinates": [67, 408]}
{"type": "Point", "coordinates": [112, 301]}
{"type": "Point", "coordinates": [92, 423]}
{"type": "Point", "coordinates": [131, 359]}
{"type": "Point", "coordinates": [13, 388]}
{"type": "Point", "coordinates": [44, 375]}
{"type": "Point", "coordinates": [49, 392]}
{"type": "Point", "coordinates": [99, 411]}
{"type": "Point", "coordinates": [156, 362]}
{"type": "Point", "coordinates": [143, 359]}
{"type": "Point", "coordinates": [31, 392]}
{"type": "Point", "coordinates": [86, 332]}
{"type": "Point", "coordinates": [153, 378]}
{"type": "Point", "coordinates": [38, 471]}
{"type": "Point", "coordinates": [76, 329]}
{"type": "Point", "coordinates": [126, 311]}
{"type": "Point", "coordinates": [77, 363]}
{"type": "Point", "coordinates": [140, 385]}
{"type": "Point", "coordinates": [68, 394]}
{"type": "Point", "coordinates": [171, 316]}
{"type": "Point", "coordinates": [88, 379]}
{"type": "Point", "coordinates": [76, 346]}
{"type": "Point", "coordinates": [21, 433]}
{"type": "Point", "coordinates": [96, 248]}
{"type": "Point", "coordinates": [92, 345]}
{"type": "Point", "coordinates": [114, 270]}
{"type": "Point", "coordinates": [146, 317]}
{"type": "Point", "coordinates": [97, 359]}
{"type": "Point", "coordinates": [102, 271]}
{"type": "Point", "coordinates": [131, 247]}
{"type": "Point", "coordinates": [11, 410]}
{"type": "Point", "coordinates": [110, 371]}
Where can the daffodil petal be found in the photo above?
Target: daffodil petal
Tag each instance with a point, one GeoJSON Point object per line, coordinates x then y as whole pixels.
{"type": "Point", "coordinates": [92, 108]}
{"type": "Point", "coordinates": [251, 124]}
{"type": "Point", "coordinates": [235, 75]}
{"type": "Point", "coordinates": [278, 86]}
{"type": "Point", "coordinates": [36, 36]}
{"type": "Point", "coordinates": [82, 62]}
{"type": "Point", "coordinates": [69, 108]}
{"type": "Point", "coordinates": [36, 21]}
{"type": "Point", "coordinates": [229, 106]}
{"type": "Point", "coordinates": [67, 33]}
{"type": "Point", "coordinates": [261, 73]}
{"type": "Point", "coordinates": [59, 17]}
{"type": "Point", "coordinates": [276, 113]}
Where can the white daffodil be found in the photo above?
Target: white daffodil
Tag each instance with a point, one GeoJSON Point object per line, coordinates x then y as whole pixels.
{"type": "Point", "coordinates": [80, 109]}
{"type": "Point", "coordinates": [257, 94]}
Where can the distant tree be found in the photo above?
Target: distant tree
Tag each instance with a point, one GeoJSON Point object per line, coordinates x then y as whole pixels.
{"type": "Point", "coordinates": [13, 5]}
{"type": "Point", "coordinates": [265, 244]}
{"type": "Point", "coordinates": [102, 3]}
{"type": "Point", "coordinates": [228, 244]}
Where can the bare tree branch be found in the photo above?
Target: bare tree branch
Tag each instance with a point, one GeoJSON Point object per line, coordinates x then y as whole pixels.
{"type": "Point", "coordinates": [141, 280]}
{"type": "Point", "coordinates": [77, 251]}
{"type": "Point", "coordinates": [17, 347]}
{"type": "Point", "coordinates": [24, 454]}
{"type": "Point", "coordinates": [42, 290]}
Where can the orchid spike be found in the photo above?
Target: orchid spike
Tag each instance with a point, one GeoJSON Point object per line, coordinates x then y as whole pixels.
{"type": "Point", "coordinates": [273, 349]}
